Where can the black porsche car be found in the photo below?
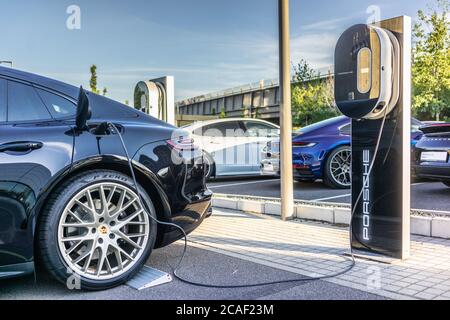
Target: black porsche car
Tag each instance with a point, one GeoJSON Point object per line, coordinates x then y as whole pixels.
{"type": "Point", "coordinates": [431, 155]}
{"type": "Point", "coordinates": [67, 198]}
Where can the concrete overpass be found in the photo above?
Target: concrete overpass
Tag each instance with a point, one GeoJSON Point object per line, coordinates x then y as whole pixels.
{"type": "Point", "coordinates": [257, 100]}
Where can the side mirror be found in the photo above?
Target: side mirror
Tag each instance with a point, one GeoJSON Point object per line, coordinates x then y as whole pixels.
{"type": "Point", "coordinates": [83, 110]}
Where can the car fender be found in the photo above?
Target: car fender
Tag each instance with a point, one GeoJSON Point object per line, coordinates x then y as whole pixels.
{"type": "Point", "coordinates": [112, 162]}
{"type": "Point", "coordinates": [330, 149]}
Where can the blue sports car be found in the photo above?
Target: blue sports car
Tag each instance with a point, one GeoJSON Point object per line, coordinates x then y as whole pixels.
{"type": "Point", "coordinates": [321, 151]}
{"type": "Point", "coordinates": [431, 157]}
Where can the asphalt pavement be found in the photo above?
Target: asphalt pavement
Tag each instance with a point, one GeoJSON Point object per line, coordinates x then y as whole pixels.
{"type": "Point", "coordinates": [200, 265]}
{"type": "Point", "coordinates": [424, 195]}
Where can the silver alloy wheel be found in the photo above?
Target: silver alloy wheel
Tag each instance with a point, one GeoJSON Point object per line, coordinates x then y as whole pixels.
{"type": "Point", "coordinates": [103, 231]}
{"type": "Point", "coordinates": [340, 167]}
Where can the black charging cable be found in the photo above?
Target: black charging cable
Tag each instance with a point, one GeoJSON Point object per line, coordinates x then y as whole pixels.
{"type": "Point", "coordinates": [199, 284]}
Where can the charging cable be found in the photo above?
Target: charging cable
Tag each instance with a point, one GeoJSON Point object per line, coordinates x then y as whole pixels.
{"type": "Point", "coordinates": [199, 284]}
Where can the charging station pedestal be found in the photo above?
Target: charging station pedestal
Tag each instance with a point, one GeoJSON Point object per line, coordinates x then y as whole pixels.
{"type": "Point", "coordinates": [380, 197]}
{"type": "Point", "coordinates": [156, 97]}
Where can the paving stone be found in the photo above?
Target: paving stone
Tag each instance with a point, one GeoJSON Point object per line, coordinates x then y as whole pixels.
{"type": "Point", "coordinates": [317, 248]}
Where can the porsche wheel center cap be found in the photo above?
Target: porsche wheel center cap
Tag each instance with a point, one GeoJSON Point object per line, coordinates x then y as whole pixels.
{"type": "Point", "coordinates": [103, 230]}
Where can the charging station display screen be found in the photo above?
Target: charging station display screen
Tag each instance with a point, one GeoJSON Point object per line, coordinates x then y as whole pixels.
{"type": "Point", "coordinates": [364, 70]}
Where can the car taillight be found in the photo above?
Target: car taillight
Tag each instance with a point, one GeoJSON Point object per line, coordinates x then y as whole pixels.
{"type": "Point", "coordinates": [182, 144]}
{"type": "Point", "coordinates": [304, 144]}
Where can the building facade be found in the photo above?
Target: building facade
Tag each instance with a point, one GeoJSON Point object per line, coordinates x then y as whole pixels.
{"type": "Point", "coordinates": [258, 100]}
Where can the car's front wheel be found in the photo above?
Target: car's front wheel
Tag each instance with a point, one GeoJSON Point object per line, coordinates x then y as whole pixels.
{"type": "Point", "coordinates": [338, 168]}
{"type": "Point", "coordinates": [94, 231]}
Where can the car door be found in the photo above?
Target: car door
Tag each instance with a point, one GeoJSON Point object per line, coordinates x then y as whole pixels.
{"type": "Point", "coordinates": [258, 134]}
{"type": "Point", "coordinates": [225, 141]}
{"type": "Point", "coordinates": [34, 147]}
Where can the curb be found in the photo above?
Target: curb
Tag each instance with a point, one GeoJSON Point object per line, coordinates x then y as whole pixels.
{"type": "Point", "coordinates": [435, 224]}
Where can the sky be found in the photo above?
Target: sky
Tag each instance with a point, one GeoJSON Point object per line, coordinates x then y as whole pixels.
{"type": "Point", "coordinates": [208, 45]}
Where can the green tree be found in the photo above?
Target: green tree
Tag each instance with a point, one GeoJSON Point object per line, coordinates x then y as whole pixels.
{"type": "Point", "coordinates": [93, 81]}
{"type": "Point", "coordinates": [223, 114]}
{"type": "Point", "coordinates": [431, 63]}
{"type": "Point", "coordinates": [312, 96]}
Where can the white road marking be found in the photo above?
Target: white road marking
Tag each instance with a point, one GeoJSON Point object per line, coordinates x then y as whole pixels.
{"type": "Point", "coordinates": [331, 198]}
{"type": "Point", "coordinates": [240, 184]}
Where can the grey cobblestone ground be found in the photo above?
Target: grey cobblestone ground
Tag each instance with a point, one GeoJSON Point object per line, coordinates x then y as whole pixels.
{"type": "Point", "coordinates": [314, 249]}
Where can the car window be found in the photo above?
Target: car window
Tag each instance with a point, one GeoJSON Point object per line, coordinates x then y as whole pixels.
{"type": "Point", "coordinates": [260, 129]}
{"type": "Point", "coordinates": [58, 106]}
{"type": "Point", "coordinates": [222, 129]}
{"type": "Point", "coordinates": [24, 104]}
{"type": "Point", "coordinates": [346, 129]}
{"type": "Point", "coordinates": [2, 100]}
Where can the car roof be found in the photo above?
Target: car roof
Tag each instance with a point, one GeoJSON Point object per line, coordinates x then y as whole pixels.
{"type": "Point", "coordinates": [55, 85]}
{"type": "Point", "coordinates": [199, 124]}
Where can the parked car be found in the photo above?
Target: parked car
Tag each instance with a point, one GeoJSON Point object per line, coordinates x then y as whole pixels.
{"type": "Point", "coordinates": [431, 159]}
{"type": "Point", "coordinates": [232, 146]}
{"type": "Point", "coordinates": [66, 196]}
{"type": "Point", "coordinates": [321, 151]}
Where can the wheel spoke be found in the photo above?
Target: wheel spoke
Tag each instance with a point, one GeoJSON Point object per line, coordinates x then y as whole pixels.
{"type": "Point", "coordinates": [78, 225]}
{"type": "Point", "coordinates": [84, 206]}
{"type": "Point", "coordinates": [124, 222]}
{"type": "Point", "coordinates": [73, 247]}
{"type": "Point", "coordinates": [118, 257]}
{"type": "Point", "coordinates": [73, 214]}
{"type": "Point", "coordinates": [121, 251]}
{"type": "Point", "coordinates": [111, 194]}
{"type": "Point", "coordinates": [78, 238]}
{"type": "Point", "coordinates": [119, 206]}
{"type": "Point", "coordinates": [82, 256]}
{"type": "Point", "coordinates": [103, 199]}
{"type": "Point", "coordinates": [101, 261]}
{"type": "Point", "coordinates": [127, 239]}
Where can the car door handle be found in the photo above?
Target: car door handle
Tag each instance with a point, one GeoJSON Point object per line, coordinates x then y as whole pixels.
{"type": "Point", "coordinates": [21, 146]}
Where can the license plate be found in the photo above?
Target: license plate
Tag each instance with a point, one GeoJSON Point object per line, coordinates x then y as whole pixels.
{"type": "Point", "coordinates": [434, 156]}
{"type": "Point", "coordinates": [268, 167]}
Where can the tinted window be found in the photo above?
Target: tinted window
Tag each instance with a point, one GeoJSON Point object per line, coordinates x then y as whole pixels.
{"type": "Point", "coordinates": [2, 100]}
{"type": "Point", "coordinates": [24, 104]}
{"type": "Point", "coordinates": [222, 129]}
{"type": "Point", "coordinates": [346, 130]}
{"type": "Point", "coordinates": [260, 129]}
{"type": "Point", "coordinates": [58, 106]}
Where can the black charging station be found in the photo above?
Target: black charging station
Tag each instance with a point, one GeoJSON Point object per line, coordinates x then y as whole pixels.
{"type": "Point", "coordinates": [373, 87]}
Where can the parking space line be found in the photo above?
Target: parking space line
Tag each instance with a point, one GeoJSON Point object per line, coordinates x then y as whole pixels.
{"type": "Point", "coordinates": [331, 198]}
{"type": "Point", "coordinates": [241, 183]}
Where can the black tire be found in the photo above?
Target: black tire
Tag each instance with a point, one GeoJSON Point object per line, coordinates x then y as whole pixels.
{"type": "Point", "coordinates": [210, 166]}
{"type": "Point", "coordinates": [50, 254]}
{"type": "Point", "coordinates": [328, 179]}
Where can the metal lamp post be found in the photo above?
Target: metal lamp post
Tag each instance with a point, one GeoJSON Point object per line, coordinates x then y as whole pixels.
{"type": "Point", "coordinates": [287, 192]}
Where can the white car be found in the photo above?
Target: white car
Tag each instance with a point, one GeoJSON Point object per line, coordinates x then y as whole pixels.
{"type": "Point", "coordinates": [232, 146]}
